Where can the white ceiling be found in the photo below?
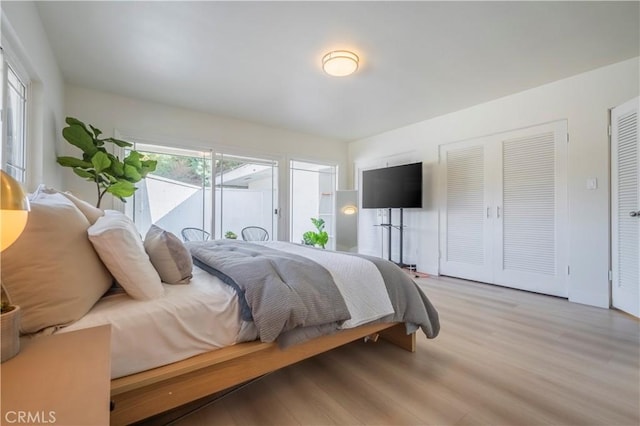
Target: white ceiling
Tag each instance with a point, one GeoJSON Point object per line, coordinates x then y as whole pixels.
{"type": "Point", "coordinates": [261, 61]}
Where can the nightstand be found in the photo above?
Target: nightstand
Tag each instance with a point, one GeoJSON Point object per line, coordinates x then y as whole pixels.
{"type": "Point", "coordinates": [62, 379]}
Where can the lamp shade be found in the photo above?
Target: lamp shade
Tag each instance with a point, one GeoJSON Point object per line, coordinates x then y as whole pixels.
{"type": "Point", "coordinates": [349, 209]}
{"type": "Point", "coordinates": [340, 63]}
{"type": "Point", "coordinates": [14, 208]}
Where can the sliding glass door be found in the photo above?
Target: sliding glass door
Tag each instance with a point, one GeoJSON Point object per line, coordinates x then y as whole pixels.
{"type": "Point", "coordinates": [246, 194]}
{"type": "Point", "coordinates": [220, 194]}
{"type": "Point", "coordinates": [178, 194]}
{"type": "Point", "coordinates": [312, 195]}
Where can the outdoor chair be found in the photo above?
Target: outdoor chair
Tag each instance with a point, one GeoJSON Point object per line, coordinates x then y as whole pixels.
{"type": "Point", "coordinates": [194, 234]}
{"type": "Point", "coordinates": [254, 233]}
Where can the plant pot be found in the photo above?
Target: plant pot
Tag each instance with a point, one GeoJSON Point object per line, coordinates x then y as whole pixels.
{"type": "Point", "coordinates": [10, 333]}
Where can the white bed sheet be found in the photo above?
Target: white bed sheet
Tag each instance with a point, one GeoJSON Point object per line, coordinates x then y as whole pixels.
{"type": "Point", "coordinates": [188, 320]}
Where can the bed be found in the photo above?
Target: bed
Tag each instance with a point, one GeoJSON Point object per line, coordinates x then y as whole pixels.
{"type": "Point", "coordinates": [191, 320]}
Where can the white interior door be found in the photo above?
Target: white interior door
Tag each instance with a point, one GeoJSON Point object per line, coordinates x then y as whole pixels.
{"type": "Point", "coordinates": [530, 242]}
{"type": "Point", "coordinates": [625, 206]}
{"type": "Point", "coordinates": [465, 241]}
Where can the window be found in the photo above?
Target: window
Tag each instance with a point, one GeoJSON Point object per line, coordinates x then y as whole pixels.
{"type": "Point", "coordinates": [313, 188]}
{"type": "Point", "coordinates": [177, 194]}
{"type": "Point", "coordinates": [218, 193]}
{"type": "Point", "coordinates": [14, 113]}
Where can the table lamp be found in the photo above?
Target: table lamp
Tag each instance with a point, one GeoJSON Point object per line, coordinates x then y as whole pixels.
{"type": "Point", "coordinates": [14, 208]}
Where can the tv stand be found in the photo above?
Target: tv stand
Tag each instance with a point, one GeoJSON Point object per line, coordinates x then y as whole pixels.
{"type": "Point", "coordinates": [390, 226]}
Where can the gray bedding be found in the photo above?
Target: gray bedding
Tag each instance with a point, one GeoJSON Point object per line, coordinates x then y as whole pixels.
{"type": "Point", "coordinates": [293, 299]}
{"type": "Point", "coordinates": [278, 291]}
{"type": "Point", "coordinates": [410, 303]}
{"type": "Point", "coordinates": [411, 306]}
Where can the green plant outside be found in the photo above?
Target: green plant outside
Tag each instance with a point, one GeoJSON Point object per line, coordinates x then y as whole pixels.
{"type": "Point", "coordinates": [106, 170]}
{"type": "Point", "coordinates": [312, 238]}
{"type": "Point", "coordinates": [230, 235]}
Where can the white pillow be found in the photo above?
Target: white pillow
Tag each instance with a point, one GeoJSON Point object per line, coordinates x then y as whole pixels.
{"type": "Point", "coordinates": [116, 239]}
{"type": "Point", "coordinates": [52, 272]}
{"type": "Point", "coordinates": [91, 213]}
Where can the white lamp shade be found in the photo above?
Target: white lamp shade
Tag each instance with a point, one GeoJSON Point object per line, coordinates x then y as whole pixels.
{"type": "Point", "coordinates": [349, 210]}
{"type": "Point", "coordinates": [340, 63]}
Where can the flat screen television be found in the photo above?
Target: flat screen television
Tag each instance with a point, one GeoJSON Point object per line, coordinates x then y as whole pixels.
{"type": "Point", "coordinates": [392, 187]}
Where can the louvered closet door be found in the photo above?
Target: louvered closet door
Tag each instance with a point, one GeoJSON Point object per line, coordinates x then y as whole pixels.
{"type": "Point", "coordinates": [625, 206]}
{"type": "Point", "coordinates": [530, 210]}
{"type": "Point", "coordinates": [505, 209]}
{"type": "Point", "coordinates": [465, 249]}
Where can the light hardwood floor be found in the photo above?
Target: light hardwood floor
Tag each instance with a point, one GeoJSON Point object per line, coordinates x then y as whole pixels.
{"type": "Point", "coordinates": [503, 357]}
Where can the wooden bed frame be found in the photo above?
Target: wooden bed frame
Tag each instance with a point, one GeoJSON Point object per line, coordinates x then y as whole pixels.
{"type": "Point", "coordinates": [151, 392]}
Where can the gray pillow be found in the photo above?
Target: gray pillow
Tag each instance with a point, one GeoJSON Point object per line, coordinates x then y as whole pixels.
{"type": "Point", "coordinates": [168, 255]}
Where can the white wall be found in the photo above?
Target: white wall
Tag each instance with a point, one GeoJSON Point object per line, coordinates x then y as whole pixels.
{"type": "Point", "coordinates": [584, 100]}
{"type": "Point", "coordinates": [192, 129]}
{"type": "Point", "coordinates": [23, 39]}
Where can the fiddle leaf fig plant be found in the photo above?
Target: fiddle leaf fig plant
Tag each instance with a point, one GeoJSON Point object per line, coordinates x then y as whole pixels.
{"type": "Point", "coordinates": [319, 238]}
{"type": "Point", "coordinates": [109, 173]}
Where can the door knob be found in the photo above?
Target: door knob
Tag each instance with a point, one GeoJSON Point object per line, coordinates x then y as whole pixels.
{"type": "Point", "coordinates": [634, 214]}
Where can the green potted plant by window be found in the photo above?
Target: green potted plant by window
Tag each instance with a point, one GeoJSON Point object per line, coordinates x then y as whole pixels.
{"type": "Point", "coordinates": [319, 238]}
{"type": "Point", "coordinates": [230, 235]}
{"type": "Point", "coordinates": [107, 171]}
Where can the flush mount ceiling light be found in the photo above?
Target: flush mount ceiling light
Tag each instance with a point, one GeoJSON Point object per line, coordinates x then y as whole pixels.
{"type": "Point", "coordinates": [340, 63]}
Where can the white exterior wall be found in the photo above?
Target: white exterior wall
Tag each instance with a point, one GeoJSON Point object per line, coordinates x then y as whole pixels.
{"type": "Point", "coordinates": [584, 100]}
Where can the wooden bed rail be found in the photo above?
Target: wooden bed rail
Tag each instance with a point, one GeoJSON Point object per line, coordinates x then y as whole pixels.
{"type": "Point", "coordinates": [150, 392]}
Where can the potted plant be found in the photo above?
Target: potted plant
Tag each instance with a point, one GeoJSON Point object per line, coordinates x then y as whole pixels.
{"type": "Point", "coordinates": [312, 238]}
{"type": "Point", "coordinates": [230, 235]}
{"type": "Point", "coordinates": [106, 170]}
{"type": "Point", "coordinates": [9, 330]}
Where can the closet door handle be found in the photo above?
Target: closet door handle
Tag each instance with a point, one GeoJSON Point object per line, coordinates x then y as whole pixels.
{"type": "Point", "coordinates": [498, 212]}
{"type": "Point", "coordinates": [634, 214]}
{"type": "Point", "coordinates": [488, 212]}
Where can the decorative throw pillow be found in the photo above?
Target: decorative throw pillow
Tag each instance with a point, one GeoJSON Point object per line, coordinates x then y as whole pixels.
{"type": "Point", "coordinates": [116, 239]}
{"type": "Point", "coordinates": [168, 255]}
{"type": "Point", "coordinates": [52, 271]}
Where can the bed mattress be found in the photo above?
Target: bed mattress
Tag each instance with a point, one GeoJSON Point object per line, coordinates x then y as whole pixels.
{"type": "Point", "coordinates": [188, 320]}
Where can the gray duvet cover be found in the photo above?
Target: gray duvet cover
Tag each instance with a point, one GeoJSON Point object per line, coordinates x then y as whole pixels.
{"type": "Point", "coordinates": [293, 299]}
{"type": "Point", "coordinates": [278, 291]}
